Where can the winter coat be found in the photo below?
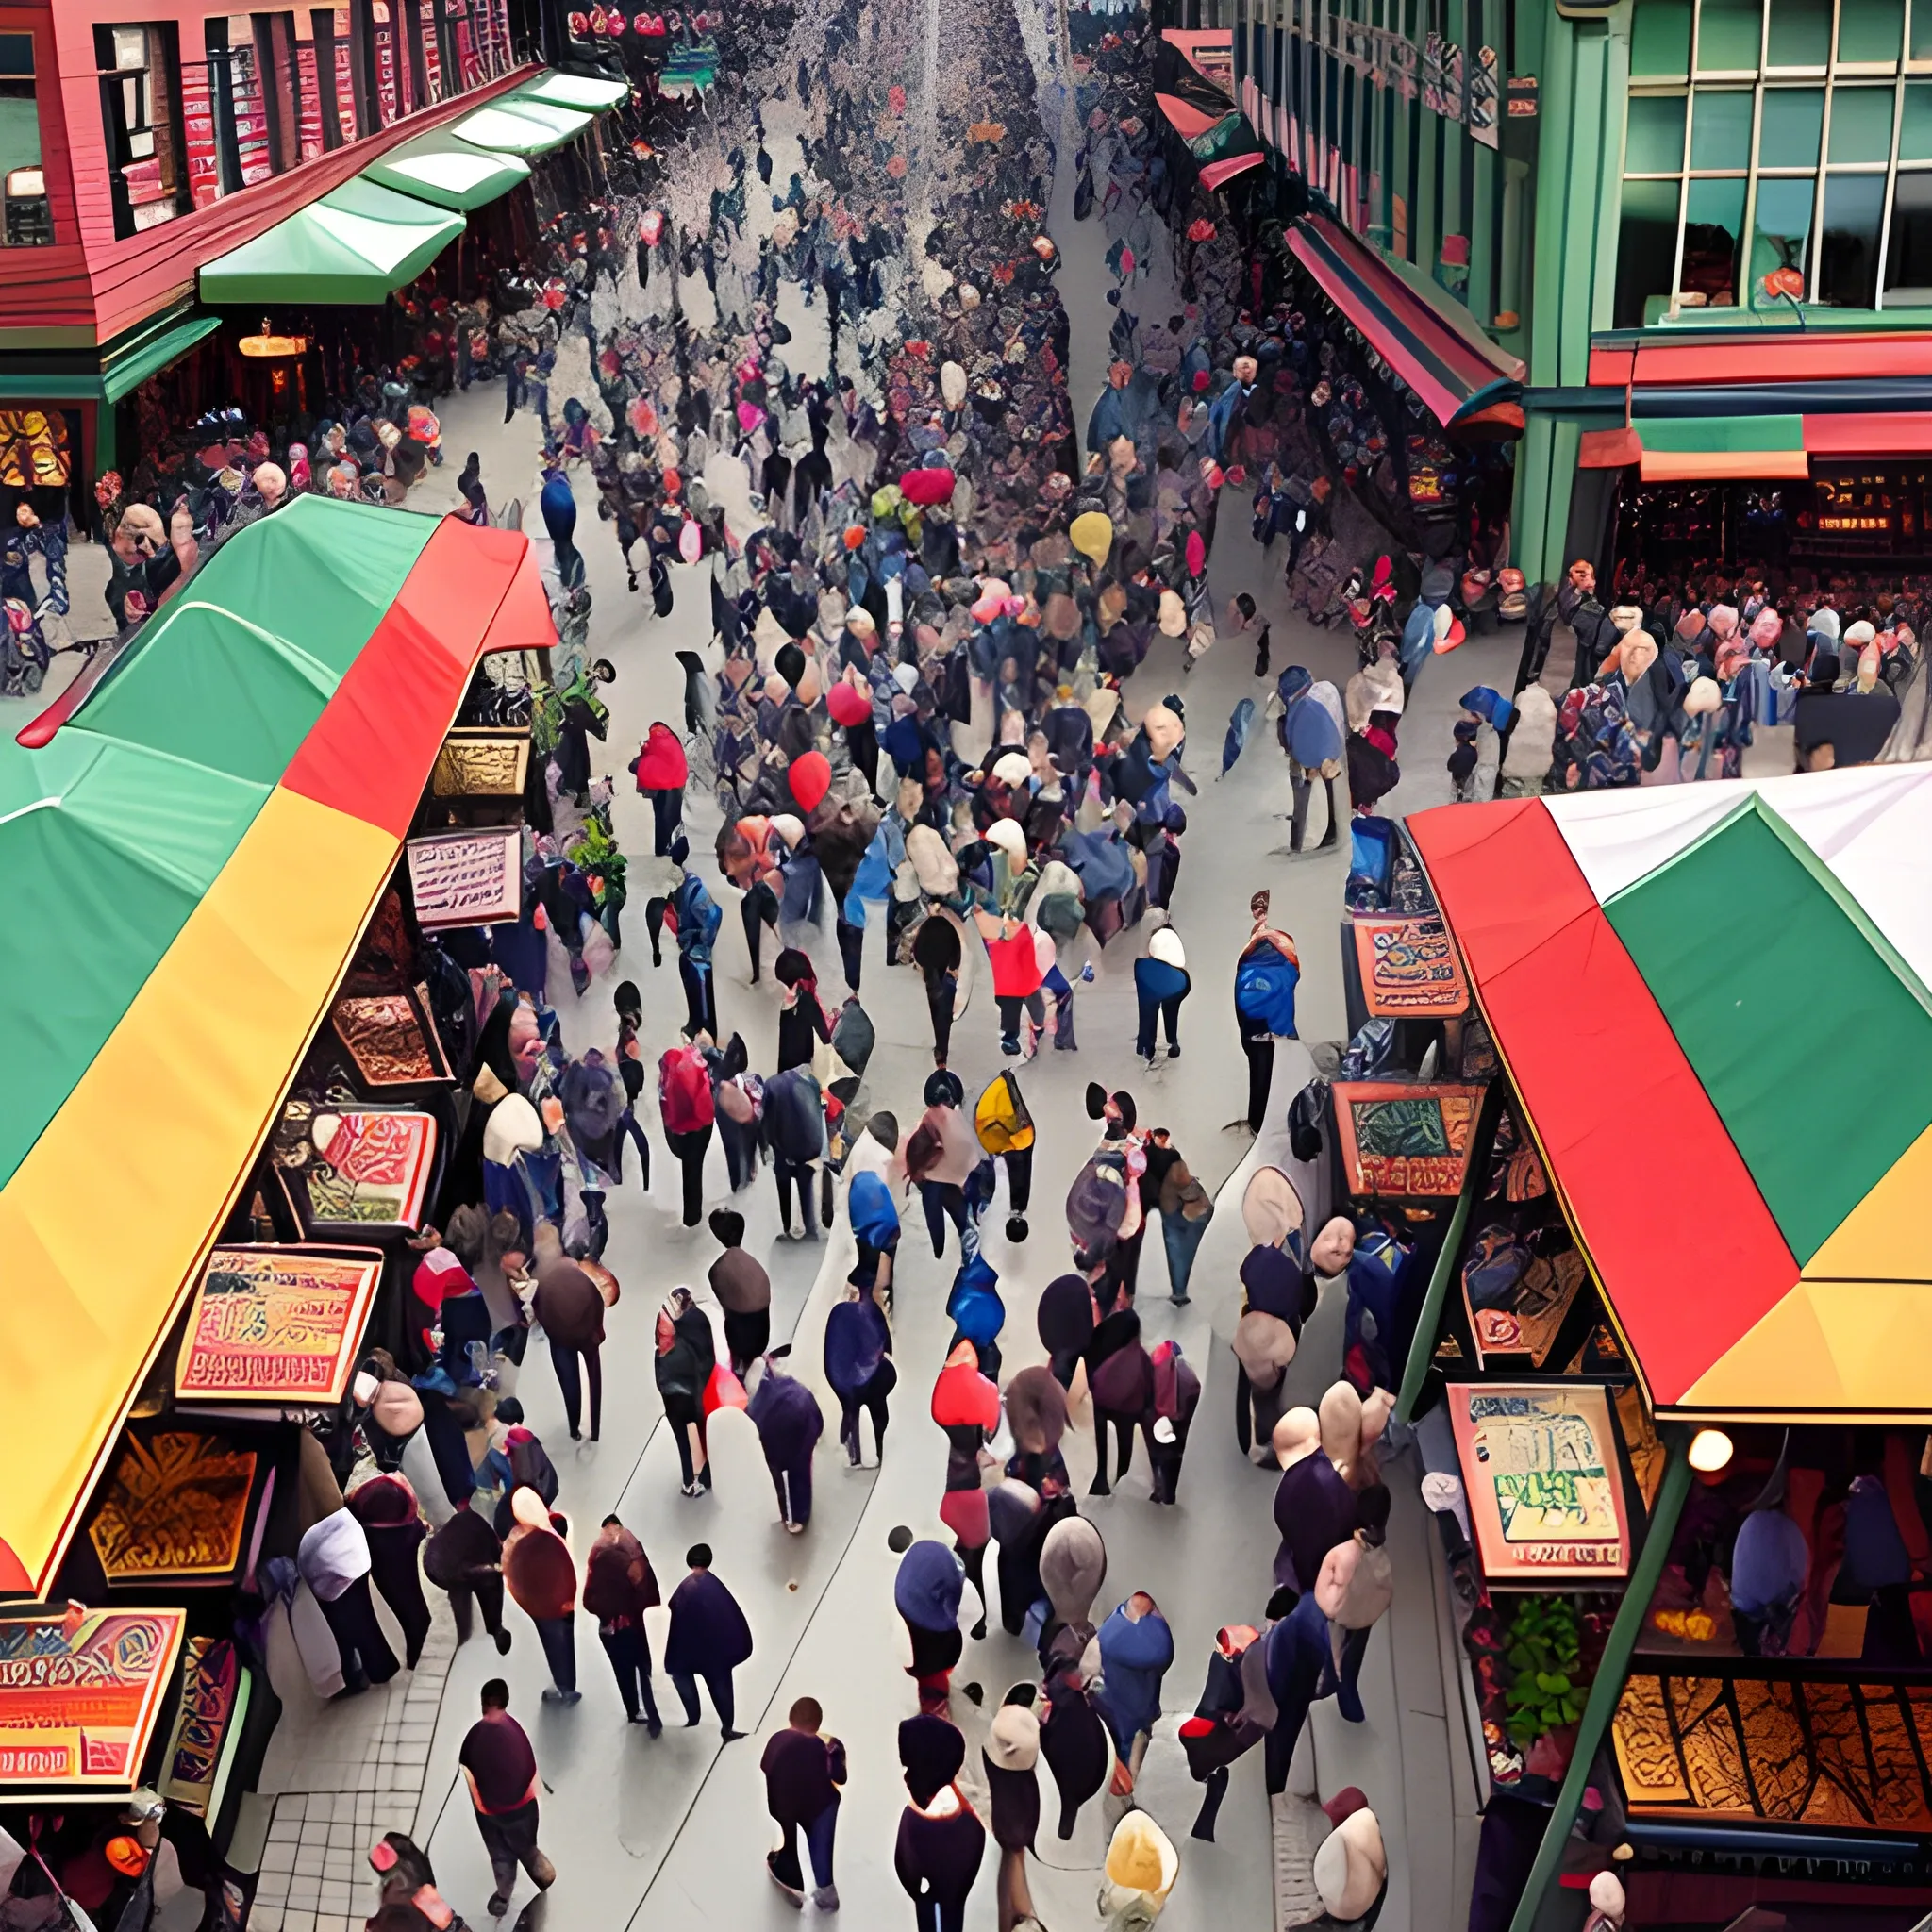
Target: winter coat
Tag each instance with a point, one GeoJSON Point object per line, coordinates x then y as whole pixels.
{"type": "Point", "coordinates": [660, 764]}
{"type": "Point", "coordinates": [1134, 1657]}
{"type": "Point", "coordinates": [786, 1415]}
{"type": "Point", "coordinates": [795, 1116]}
{"type": "Point", "coordinates": [709, 1632]}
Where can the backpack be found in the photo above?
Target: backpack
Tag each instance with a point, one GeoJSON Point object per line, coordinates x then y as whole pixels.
{"type": "Point", "coordinates": [1264, 989]}
{"type": "Point", "coordinates": [1000, 1118]}
{"type": "Point", "coordinates": [1307, 1116]}
{"type": "Point", "coordinates": [530, 1463]}
{"type": "Point", "coordinates": [1094, 1204]}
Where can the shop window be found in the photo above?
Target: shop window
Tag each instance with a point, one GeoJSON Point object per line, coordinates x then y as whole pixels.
{"type": "Point", "coordinates": [1909, 246]}
{"type": "Point", "coordinates": [1654, 142]}
{"type": "Point", "coordinates": [1646, 252]}
{"type": "Point", "coordinates": [1713, 240]}
{"type": "Point", "coordinates": [1870, 32]}
{"type": "Point", "coordinates": [1792, 127]}
{"type": "Point", "coordinates": [141, 120]}
{"type": "Point", "coordinates": [1729, 33]}
{"type": "Point", "coordinates": [1848, 240]}
{"type": "Point", "coordinates": [26, 219]}
{"type": "Point", "coordinates": [1780, 240]}
{"type": "Point", "coordinates": [1720, 131]}
{"type": "Point", "coordinates": [1798, 33]}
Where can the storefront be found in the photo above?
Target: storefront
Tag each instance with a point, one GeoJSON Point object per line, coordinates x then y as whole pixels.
{"type": "Point", "coordinates": [1706, 1388]}
{"type": "Point", "coordinates": [179, 1350]}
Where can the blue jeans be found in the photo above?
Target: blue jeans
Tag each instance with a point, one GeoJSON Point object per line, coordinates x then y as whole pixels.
{"type": "Point", "coordinates": [1182, 1239]}
{"type": "Point", "coordinates": [818, 1838]}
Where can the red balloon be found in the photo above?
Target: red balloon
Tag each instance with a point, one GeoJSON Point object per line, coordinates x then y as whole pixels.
{"type": "Point", "coordinates": [926, 487]}
{"type": "Point", "coordinates": [810, 777]}
{"type": "Point", "coordinates": [847, 704]}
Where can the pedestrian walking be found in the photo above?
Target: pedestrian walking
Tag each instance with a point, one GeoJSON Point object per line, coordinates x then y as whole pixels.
{"type": "Point", "coordinates": [1186, 1208]}
{"type": "Point", "coordinates": [685, 1106]}
{"type": "Point", "coordinates": [686, 1354]}
{"type": "Point", "coordinates": [1012, 1762]}
{"type": "Point", "coordinates": [569, 1306]}
{"type": "Point", "coordinates": [661, 772]}
{"type": "Point", "coordinates": [618, 1587]}
{"type": "Point", "coordinates": [385, 1507]}
{"type": "Point", "coordinates": [803, 1772]}
{"type": "Point", "coordinates": [1161, 984]}
{"type": "Point", "coordinates": [743, 1289]}
{"type": "Point", "coordinates": [464, 1558]}
{"type": "Point", "coordinates": [1266, 976]}
{"type": "Point", "coordinates": [1354, 1589]}
{"type": "Point", "coordinates": [858, 1351]}
{"type": "Point", "coordinates": [786, 1415]}
{"type": "Point", "coordinates": [541, 1576]}
{"type": "Point", "coordinates": [941, 1843]}
{"type": "Point", "coordinates": [709, 1639]}
{"type": "Point", "coordinates": [500, 1769]}
{"type": "Point", "coordinates": [927, 1592]}
{"type": "Point", "coordinates": [1136, 1648]}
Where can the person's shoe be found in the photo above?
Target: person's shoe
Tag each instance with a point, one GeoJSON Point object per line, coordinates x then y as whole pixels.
{"type": "Point", "coordinates": [636, 1717]}
{"type": "Point", "coordinates": [1086, 975]}
{"type": "Point", "coordinates": [1009, 1045]}
{"type": "Point", "coordinates": [692, 1489]}
{"type": "Point", "coordinates": [1097, 1488]}
{"type": "Point", "coordinates": [502, 1643]}
{"type": "Point", "coordinates": [1016, 1227]}
{"type": "Point", "coordinates": [498, 1905]}
{"type": "Point", "coordinates": [576, 1435]}
{"type": "Point", "coordinates": [653, 1726]}
{"type": "Point", "coordinates": [792, 1893]}
{"type": "Point", "coordinates": [732, 1737]}
{"type": "Point", "coordinates": [1174, 1053]}
{"type": "Point", "coordinates": [795, 1528]}
{"type": "Point", "coordinates": [827, 1898]}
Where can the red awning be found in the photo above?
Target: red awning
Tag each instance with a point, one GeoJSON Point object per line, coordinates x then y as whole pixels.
{"type": "Point", "coordinates": [1888, 434]}
{"type": "Point", "coordinates": [1186, 121]}
{"type": "Point", "coordinates": [1445, 368]}
{"type": "Point", "coordinates": [1762, 356]}
{"type": "Point", "coordinates": [1216, 174]}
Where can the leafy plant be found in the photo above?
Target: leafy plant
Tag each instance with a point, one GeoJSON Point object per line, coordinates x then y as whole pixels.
{"type": "Point", "coordinates": [1544, 1651]}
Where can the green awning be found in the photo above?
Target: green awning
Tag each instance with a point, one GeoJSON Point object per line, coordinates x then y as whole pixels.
{"type": "Point", "coordinates": [521, 126]}
{"type": "Point", "coordinates": [355, 245]}
{"type": "Point", "coordinates": [124, 364]}
{"type": "Point", "coordinates": [125, 373]}
{"type": "Point", "coordinates": [448, 173]}
{"type": "Point", "coordinates": [582, 91]}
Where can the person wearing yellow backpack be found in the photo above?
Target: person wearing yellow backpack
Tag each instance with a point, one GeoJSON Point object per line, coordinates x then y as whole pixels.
{"type": "Point", "coordinates": [1005, 1131]}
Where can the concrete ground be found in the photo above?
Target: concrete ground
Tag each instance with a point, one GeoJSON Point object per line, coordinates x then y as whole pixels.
{"type": "Point", "coordinates": [670, 1832]}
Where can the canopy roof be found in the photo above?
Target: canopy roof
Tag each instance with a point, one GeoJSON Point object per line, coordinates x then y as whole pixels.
{"type": "Point", "coordinates": [199, 847]}
{"type": "Point", "coordinates": [519, 125]}
{"type": "Point", "coordinates": [588, 93]}
{"type": "Point", "coordinates": [1455, 373]}
{"type": "Point", "coordinates": [1713, 1003]}
{"type": "Point", "coordinates": [354, 245]}
{"type": "Point", "coordinates": [440, 168]}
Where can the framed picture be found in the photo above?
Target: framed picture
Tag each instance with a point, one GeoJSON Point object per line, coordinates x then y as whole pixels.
{"type": "Point", "coordinates": [467, 878]}
{"type": "Point", "coordinates": [173, 1509]}
{"type": "Point", "coordinates": [475, 763]}
{"type": "Point", "coordinates": [390, 1039]}
{"type": "Point", "coordinates": [1405, 1139]}
{"type": "Point", "coordinates": [275, 1324]}
{"type": "Point", "coordinates": [1545, 1490]}
{"type": "Point", "coordinates": [80, 1691]}
{"type": "Point", "coordinates": [1410, 966]}
{"type": "Point", "coordinates": [368, 1170]}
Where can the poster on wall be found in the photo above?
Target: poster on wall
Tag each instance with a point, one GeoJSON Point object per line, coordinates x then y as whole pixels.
{"type": "Point", "coordinates": [275, 1324]}
{"type": "Point", "coordinates": [467, 878]}
{"type": "Point", "coordinates": [1405, 1139]}
{"type": "Point", "coordinates": [1539, 1468]}
{"type": "Point", "coordinates": [1410, 966]}
{"type": "Point", "coordinates": [173, 1509]}
{"type": "Point", "coordinates": [80, 1691]}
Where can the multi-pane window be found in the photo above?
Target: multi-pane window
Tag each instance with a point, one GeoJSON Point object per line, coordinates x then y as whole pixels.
{"type": "Point", "coordinates": [26, 220]}
{"type": "Point", "coordinates": [1776, 152]}
{"type": "Point", "coordinates": [141, 121]}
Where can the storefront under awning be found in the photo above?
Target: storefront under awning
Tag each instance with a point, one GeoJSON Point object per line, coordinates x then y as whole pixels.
{"type": "Point", "coordinates": [352, 246]}
{"type": "Point", "coordinates": [1454, 376]}
{"type": "Point", "coordinates": [585, 94]}
{"type": "Point", "coordinates": [514, 127]}
{"type": "Point", "coordinates": [448, 173]}
{"type": "Point", "coordinates": [238, 789]}
{"type": "Point", "coordinates": [124, 366]}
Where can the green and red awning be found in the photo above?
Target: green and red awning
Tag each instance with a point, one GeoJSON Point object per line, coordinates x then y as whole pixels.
{"type": "Point", "coordinates": [191, 858]}
{"type": "Point", "coordinates": [1713, 1003]}
{"type": "Point", "coordinates": [1455, 376]}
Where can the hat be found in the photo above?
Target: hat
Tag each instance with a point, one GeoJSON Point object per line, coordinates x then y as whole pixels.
{"type": "Point", "coordinates": [1142, 1857]}
{"type": "Point", "coordinates": [1860, 633]}
{"type": "Point", "coordinates": [1449, 631]}
{"type": "Point", "coordinates": [1007, 834]}
{"type": "Point", "coordinates": [943, 1089]}
{"type": "Point", "coordinates": [1073, 1566]}
{"type": "Point", "coordinates": [512, 1129]}
{"type": "Point", "coordinates": [1012, 1741]}
{"type": "Point", "coordinates": [1703, 698]}
{"type": "Point", "coordinates": [1173, 615]}
{"type": "Point", "coordinates": [861, 620]}
{"type": "Point", "coordinates": [1271, 1208]}
{"type": "Point", "coordinates": [397, 1409]}
{"type": "Point", "coordinates": [1036, 1411]}
{"type": "Point", "coordinates": [1351, 1866]}
{"type": "Point", "coordinates": [1013, 768]}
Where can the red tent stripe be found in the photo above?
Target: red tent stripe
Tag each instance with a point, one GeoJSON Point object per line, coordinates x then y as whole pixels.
{"type": "Point", "coordinates": [1621, 1117]}
{"type": "Point", "coordinates": [369, 751]}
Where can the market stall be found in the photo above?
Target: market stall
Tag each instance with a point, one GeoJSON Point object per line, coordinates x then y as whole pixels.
{"type": "Point", "coordinates": [1697, 1210]}
{"type": "Point", "coordinates": [261, 1106]}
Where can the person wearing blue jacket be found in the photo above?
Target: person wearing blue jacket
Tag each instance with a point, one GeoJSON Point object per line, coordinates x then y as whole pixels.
{"type": "Point", "coordinates": [793, 1122]}
{"type": "Point", "coordinates": [698, 919]}
{"type": "Point", "coordinates": [1266, 979]}
{"type": "Point", "coordinates": [1136, 1648]}
{"type": "Point", "coordinates": [1161, 984]}
{"type": "Point", "coordinates": [1312, 740]}
{"type": "Point", "coordinates": [1301, 1668]}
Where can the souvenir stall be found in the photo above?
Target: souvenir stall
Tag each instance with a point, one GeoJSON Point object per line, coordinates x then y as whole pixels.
{"type": "Point", "coordinates": [1682, 1367]}
{"type": "Point", "coordinates": [187, 1363]}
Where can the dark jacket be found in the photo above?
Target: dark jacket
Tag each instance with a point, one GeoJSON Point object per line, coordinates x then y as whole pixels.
{"type": "Point", "coordinates": [708, 1629]}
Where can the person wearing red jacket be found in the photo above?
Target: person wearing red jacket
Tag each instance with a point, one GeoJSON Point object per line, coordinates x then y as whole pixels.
{"type": "Point", "coordinates": [661, 771]}
{"type": "Point", "coordinates": [1017, 972]}
{"type": "Point", "coordinates": [685, 1106]}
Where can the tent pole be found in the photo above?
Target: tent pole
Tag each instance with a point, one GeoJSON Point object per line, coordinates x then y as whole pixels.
{"type": "Point", "coordinates": [1422, 1345]}
{"type": "Point", "coordinates": [1609, 1683]}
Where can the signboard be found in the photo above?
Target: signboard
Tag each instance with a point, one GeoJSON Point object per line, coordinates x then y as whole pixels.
{"type": "Point", "coordinates": [1410, 966]}
{"type": "Point", "coordinates": [389, 1039]}
{"type": "Point", "coordinates": [1539, 1468]}
{"type": "Point", "coordinates": [467, 878]}
{"type": "Point", "coordinates": [175, 1507]}
{"type": "Point", "coordinates": [214, 1703]}
{"type": "Point", "coordinates": [79, 1694]}
{"type": "Point", "coordinates": [374, 1170]}
{"type": "Point", "coordinates": [481, 764]}
{"type": "Point", "coordinates": [1405, 1139]}
{"type": "Point", "coordinates": [275, 1324]}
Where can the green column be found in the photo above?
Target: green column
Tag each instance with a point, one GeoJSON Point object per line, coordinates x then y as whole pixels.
{"type": "Point", "coordinates": [1609, 1683]}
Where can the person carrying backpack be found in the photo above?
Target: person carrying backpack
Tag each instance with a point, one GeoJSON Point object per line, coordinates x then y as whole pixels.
{"type": "Point", "coordinates": [684, 1102]}
{"type": "Point", "coordinates": [1005, 1130]}
{"type": "Point", "coordinates": [1265, 979]}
